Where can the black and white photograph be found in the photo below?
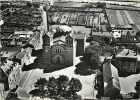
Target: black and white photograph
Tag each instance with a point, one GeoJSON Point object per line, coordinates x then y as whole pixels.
{"type": "Point", "coordinates": [69, 49]}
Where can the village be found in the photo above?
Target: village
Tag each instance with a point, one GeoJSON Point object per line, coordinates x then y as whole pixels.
{"type": "Point", "coordinates": [69, 50]}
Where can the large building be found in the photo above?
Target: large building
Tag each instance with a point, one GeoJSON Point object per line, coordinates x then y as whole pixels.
{"type": "Point", "coordinates": [60, 53]}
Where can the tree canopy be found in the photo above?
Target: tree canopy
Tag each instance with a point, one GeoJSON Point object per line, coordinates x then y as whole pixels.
{"type": "Point", "coordinates": [60, 87]}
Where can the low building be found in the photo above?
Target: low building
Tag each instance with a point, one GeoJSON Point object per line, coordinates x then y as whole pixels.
{"type": "Point", "coordinates": [127, 62]}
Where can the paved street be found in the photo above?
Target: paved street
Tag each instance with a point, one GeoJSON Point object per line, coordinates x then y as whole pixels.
{"type": "Point", "coordinates": [128, 84]}
{"type": "Point", "coordinates": [28, 82]}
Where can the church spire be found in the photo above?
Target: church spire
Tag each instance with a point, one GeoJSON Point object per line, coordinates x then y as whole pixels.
{"type": "Point", "coordinates": [69, 40]}
{"type": "Point", "coordinates": [46, 40]}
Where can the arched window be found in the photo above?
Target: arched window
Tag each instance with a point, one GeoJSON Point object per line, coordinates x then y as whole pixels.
{"type": "Point", "coordinates": [55, 50]}
{"type": "Point", "coordinates": [58, 50]}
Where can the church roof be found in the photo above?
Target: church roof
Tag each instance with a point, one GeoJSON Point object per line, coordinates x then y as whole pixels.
{"type": "Point", "coordinates": [58, 42]}
{"type": "Point", "coordinates": [46, 36]}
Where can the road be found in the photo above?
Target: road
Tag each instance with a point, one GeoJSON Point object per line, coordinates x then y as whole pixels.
{"type": "Point", "coordinates": [28, 81]}
{"type": "Point", "coordinates": [128, 83]}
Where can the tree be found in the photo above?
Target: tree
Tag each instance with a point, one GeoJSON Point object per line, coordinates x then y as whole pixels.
{"type": "Point", "coordinates": [52, 87]}
{"type": "Point", "coordinates": [12, 95]}
{"type": "Point", "coordinates": [138, 36]}
{"type": "Point", "coordinates": [62, 85]}
{"type": "Point", "coordinates": [82, 68]}
{"type": "Point", "coordinates": [90, 60]}
{"type": "Point", "coordinates": [40, 87]}
{"type": "Point", "coordinates": [57, 88]}
{"type": "Point", "coordinates": [74, 87]}
{"type": "Point", "coordinates": [137, 88]}
{"type": "Point", "coordinates": [35, 92]}
{"type": "Point", "coordinates": [101, 5]}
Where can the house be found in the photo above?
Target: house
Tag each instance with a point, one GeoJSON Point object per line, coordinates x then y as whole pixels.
{"type": "Point", "coordinates": [127, 62]}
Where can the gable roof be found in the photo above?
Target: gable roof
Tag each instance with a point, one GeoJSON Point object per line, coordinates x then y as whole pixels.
{"type": "Point", "coordinates": [58, 41]}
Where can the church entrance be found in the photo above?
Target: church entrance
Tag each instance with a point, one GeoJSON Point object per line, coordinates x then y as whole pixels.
{"type": "Point", "coordinates": [58, 59]}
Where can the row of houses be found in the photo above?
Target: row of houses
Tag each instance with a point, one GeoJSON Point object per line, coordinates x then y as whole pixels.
{"type": "Point", "coordinates": [18, 39]}
{"type": "Point", "coordinates": [75, 18]}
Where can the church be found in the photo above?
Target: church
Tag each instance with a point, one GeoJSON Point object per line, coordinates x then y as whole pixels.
{"type": "Point", "coordinates": [59, 53]}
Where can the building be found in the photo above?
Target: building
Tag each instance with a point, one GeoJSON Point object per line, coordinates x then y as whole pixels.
{"type": "Point", "coordinates": [127, 63]}
{"type": "Point", "coordinates": [127, 40]}
{"type": "Point", "coordinates": [16, 40]}
{"type": "Point", "coordinates": [60, 54]}
{"type": "Point", "coordinates": [79, 34]}
{"type": "Point", "coordinates": [80, 38]}
{"type": "Point", "coordinates": [24, 34]}
{"type": "Point", "coordinates": [111, 81]}
{"type": "Point", "coordinates": [26, 18]}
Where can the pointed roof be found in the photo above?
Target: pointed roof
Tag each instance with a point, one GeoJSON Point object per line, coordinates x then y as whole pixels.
{"type": "Point", "coordinates": [46, 35]}
{"type": "Point", "coordinates": [58, 42]}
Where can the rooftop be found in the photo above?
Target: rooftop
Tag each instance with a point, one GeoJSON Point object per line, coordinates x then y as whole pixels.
{"type": "Point", "coordinates": [126, 53]}
{"type": "Point", "coordinates": [9, 52]}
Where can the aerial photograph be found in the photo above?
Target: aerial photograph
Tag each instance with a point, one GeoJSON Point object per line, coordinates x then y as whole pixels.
{"type": "Point", "coordinates": [69, 49]}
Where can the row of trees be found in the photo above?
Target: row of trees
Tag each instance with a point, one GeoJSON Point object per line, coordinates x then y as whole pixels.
{"type": "Point", "coordinates": [57, 88]}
